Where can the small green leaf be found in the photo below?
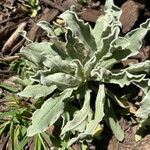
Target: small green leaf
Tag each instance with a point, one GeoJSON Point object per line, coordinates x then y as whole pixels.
{"type": "Point", "coordinates": [22, 143]}
{"type": "Point", "coordinates": [8, 87]}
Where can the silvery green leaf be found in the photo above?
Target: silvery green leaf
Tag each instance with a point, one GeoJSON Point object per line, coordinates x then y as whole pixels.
{"type": "Point", "coordinates": [99, 112]}
{"type": "Point", "coordinates": [135, 38]}
{"type": "Point", "coordinates": [80, 30]}
{"type": "Point", "coordinates": [102, 25]}
{"type": "Point", "coordinates": [144, 110]}
{"type": "Point", "coordinates": [79, 70]}
{"type": "Point", "coordinates": [121, 51]}
{"type": "Point", "coordinates": [139, 67]}
{"type": "Point", "coordinates": [53, 38]}
{"type": "Point", "coordinates": [105, 23]}
{"type": "Point", "coordinates": [56, 64]}
{"type": "Point", "coordinates": [37, 91]}
{"type": "Point", "coordinates": [125, 78]}
{"type": "Point", "coordinates": [109, 5]}
{"type": "Point", "coordinates": [99, 104]}
{"type": "Point", "coordinates": [61, 80]}
{"type": "Point", "coordinates": [32, 52]}
{"type": "Point", "coordinates": [36, 52]}
{"type": "Point", "coordinates": [98, 116]}
{"type": "Point", "coordinates": [46, 27]}
{"type": "Point", "coordinates": [49, 113]}
{"type": "Point", "coordinates": [120, 101]}
{"type": "Point", "coordinates": [113, 122]}
{"type": "Point", "coordinates": [143, 85]}
{"type": "Point", "coordinates": [74, 48]}
{"type": "Point", "coordinates": [121, 78]}
{"type": "Point", "coordinates": [80, 116]}
{"type": "Point", "coordinates": [99, 54]}
{"type": "Point", "coordinates": [107, 42]}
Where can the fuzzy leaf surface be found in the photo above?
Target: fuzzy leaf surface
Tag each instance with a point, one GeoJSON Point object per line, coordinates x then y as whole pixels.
{"type": "Point", "coordinates": [144, 110]}
{"type": "Point", "coordinates": [49, 113]}
{"type": "Point", "coordinates": [80, 116]}
{"type": "Point", "coordinates": [80, 30]}
{"type": "Point", "coordinates": [37, 91]}
{"type": "Point", "coordinates": [113, 122]}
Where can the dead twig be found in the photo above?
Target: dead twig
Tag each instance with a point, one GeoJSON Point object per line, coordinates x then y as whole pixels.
{"type": "Point", "coordinates": [54, 5]}
{"type": "Point", "coordinates": [8, 59]}
{"type": "Point", "coordinates": [16, 47]}
{"type": "Point", "coordinates": [10, 19]}
{"type": "Point", "coordinates": [13, 38]}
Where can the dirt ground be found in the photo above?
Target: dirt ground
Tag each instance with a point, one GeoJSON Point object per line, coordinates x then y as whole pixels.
{"type": "Point", "coordinates": [15, 16]}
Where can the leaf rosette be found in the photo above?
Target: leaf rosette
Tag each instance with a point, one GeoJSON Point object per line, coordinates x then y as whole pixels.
{"type": "Point", "coordinates": [87, 56]}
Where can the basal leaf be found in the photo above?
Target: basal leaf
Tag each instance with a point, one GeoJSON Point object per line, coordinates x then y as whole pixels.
{"type": "Point", "coordinates": [99, 114]}
{"type": "Point", "coordinates": [143, 85]}
{"type": "Point", "coordinates": [125, 78]}
{"type": "Point", "coordinates": [144, 110]}
{"type": "Point", "coordinates": [106, 23]}
{"type": "Point", "coordinates": [121, 51]}
{"type": "Point", "coordinates": [37, 91]}
{"type": "Point", "coordinates": [80, 30]}
{"type": "Point", "coordinates": [33, 52]}
{"type": "Point", "coordinates": [49, 113]}
{"type": "Point", "coordinates": [46, 27]}
{"type": "Point", "coordinates": [99, 54]}
{"type": "Point", "coordinates": [61, 80]}
{"type": "Point", "coordinates": [74, 47]}
{"type": "Point", "coordinates": [80, 116]}
{"type": "Point", "coordinates": [139, 68]}
{"type": "Point", "coordinates": [56, 64]}
{"type": "Point", "coordinates": [99, 104]}
{"type": "Point", "coordinates": [113, 122]}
